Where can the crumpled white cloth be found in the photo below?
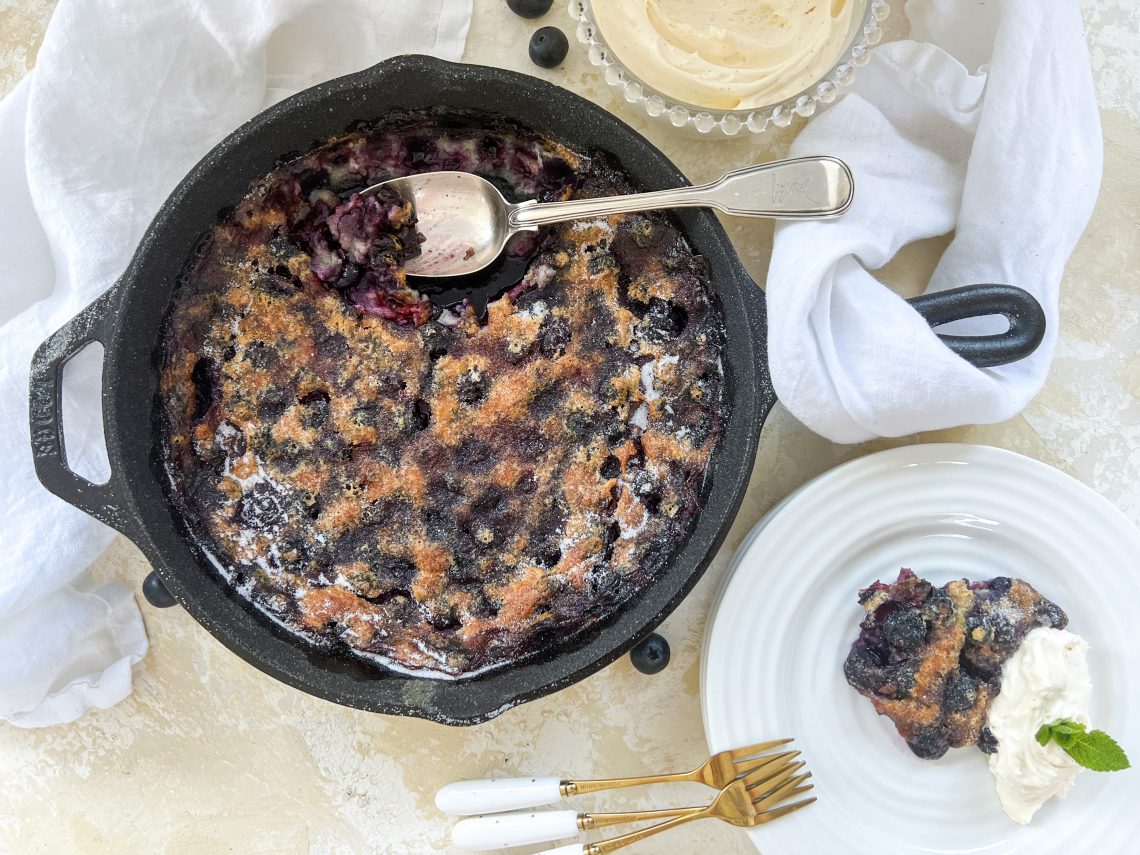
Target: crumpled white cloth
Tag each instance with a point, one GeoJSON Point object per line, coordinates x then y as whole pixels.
{"type": "Point", "coordinates": [126, 96]}
{"type": "Point", "coordinates": [983, 123]}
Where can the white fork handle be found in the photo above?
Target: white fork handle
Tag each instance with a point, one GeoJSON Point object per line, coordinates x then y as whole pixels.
{"type": "Point", "coordinates": [471, 798]}
{"type": "Point", "coordinates": [572, 849]}
{"type": "Point", "coordinates": [503, 830]}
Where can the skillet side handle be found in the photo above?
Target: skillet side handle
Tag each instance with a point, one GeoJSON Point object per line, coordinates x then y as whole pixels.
{"type": "Point", "coordinates": [1026, 321]}
{"type": "Point", "coordinates": [46, 413]}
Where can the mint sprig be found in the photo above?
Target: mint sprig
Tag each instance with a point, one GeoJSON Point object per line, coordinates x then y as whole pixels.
{"type": "Point", "coordinates": [1093, 749]}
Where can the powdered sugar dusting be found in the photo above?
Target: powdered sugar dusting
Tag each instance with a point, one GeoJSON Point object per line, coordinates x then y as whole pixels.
{"type": "Point", "coordinates": [601, 224]}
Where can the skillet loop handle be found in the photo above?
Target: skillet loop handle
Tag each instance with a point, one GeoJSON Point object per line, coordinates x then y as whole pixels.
{"type": "Point", "coordinates": [1026, 321]}
{"type": "Point", "coordinates": [46, 413]}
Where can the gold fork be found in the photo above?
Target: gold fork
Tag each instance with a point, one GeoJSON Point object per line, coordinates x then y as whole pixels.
{"type": "Point", "coordinates": [717, 772]}
{"type": "Point", "coordinates": [747, 802]}
{"type": "Point", "coordinates": [771, 773]}
{"type": "Point", "coordinates": [470, 798]}
{"type": "Point", "coordinates": [772, 779]}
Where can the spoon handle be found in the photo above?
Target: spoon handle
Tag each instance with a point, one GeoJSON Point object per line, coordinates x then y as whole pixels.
{"type": "Point", "coordinates": [802, 188]}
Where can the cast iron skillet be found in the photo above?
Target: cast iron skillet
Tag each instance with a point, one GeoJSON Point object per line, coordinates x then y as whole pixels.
{"type": "Point", "coordinates": [127, 319]}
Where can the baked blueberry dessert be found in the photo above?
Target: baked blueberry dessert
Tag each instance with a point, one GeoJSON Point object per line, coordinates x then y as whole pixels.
{"type": "Point", "coordinates": [442, 487]}
{"type": "Point", "coordinates": [930, 659]}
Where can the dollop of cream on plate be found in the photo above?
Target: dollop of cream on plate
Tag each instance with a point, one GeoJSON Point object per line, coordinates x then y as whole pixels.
{"type": "Point", "coordinates": [727, 55]}
{"type": "Point", "coordinates": [1045, 680]}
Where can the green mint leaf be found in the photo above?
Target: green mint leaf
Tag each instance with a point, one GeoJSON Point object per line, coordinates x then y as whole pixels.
{"type": "Point", "coordinates": [1094, 750]}
{"type": "Point", "coordinates": [1065, 740]}
{"type": "Point", "coordinates": [1062, 730]}
{"type": "Point", "coordinates": [1098, 751]}
{"type": "Point", "coordinates": [1068, 727]}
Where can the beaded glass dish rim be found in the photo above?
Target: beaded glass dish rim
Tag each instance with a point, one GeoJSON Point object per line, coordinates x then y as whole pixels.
{"type": "Point", "coordinates": [729, 122]}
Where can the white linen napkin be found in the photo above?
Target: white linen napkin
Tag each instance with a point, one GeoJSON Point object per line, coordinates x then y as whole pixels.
{"type": "Point", "coordinates": [126, 96]}
{"type": "Point", "coordinates": [984, 123]}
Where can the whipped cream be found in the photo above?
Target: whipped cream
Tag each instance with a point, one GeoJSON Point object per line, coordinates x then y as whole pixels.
{"type": "Point", "coordinates": [733, 54]}
{"type": "Point", "coordinates": [1045, 680]}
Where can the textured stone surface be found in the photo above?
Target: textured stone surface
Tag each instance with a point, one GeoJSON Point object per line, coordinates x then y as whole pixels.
{"type": "Point", "coordinates": [209, 755]}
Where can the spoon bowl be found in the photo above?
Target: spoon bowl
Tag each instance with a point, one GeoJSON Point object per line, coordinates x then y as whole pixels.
{"type": "Point", "coordinates": [462, 217]}
{"type": "Point", "coordinates": [466, 222]}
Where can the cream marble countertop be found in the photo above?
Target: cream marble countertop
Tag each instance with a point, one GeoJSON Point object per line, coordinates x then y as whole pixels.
{"type": "Point", "coordinates": [210, 755]}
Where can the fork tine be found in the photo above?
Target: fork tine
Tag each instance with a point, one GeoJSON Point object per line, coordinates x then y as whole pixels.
{"type": "Point", "coordinates": [762, 771]}
{"type": "Point", "coordinates": [776, 779]}
{"type": "Point", "coordinates": [771, 772]}
{"type": "Point", "coordinates": [747, 751]}
{"type": "Point", "coordinates": [782, 792]}
{"type": "Point", "coordinates": [776, 813]}
{"type": "Point", "coordinates": [767, 765]}
{"type": "Point", "coordinates": [798, 790]}
{"type": "Point", "coordinates": [765, 762]}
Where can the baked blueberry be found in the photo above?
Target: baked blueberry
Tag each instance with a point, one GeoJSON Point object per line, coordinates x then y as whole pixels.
{"type": "Point", "coordinates": [987, 742]}
{"type": "Point", "coordinates": [611, 467]}
{"type": "Point", "coordinates": [929, 743]}
{"type": "Point", "coordinates": [473, 387]}
{"type": "Point", "coordinates": [662, 321]}
{"type": "Point", "coordinates": [904, 629]}
{"type": "Point", "coordinates": [555, 337]}
{"type": "Point", "coordinates": [961, 692]}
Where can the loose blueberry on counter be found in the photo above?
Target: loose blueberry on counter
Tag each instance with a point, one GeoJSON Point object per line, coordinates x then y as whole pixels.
{"type": "Point", "coordinates": [651, 655]}
{"type": "Point", "coordinates": [530, 8]}
{"type": "Point", "coordinates": [548, 47]}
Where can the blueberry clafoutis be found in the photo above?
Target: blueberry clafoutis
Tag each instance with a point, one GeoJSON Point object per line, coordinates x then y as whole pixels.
{"type": "Point", "coordinates": [440, 488]}
{"type": "Point", "coordinates": [930, 659]}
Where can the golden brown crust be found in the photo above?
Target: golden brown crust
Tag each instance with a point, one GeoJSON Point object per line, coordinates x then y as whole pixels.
{"type": "Point", "coordinates": [455, 492]}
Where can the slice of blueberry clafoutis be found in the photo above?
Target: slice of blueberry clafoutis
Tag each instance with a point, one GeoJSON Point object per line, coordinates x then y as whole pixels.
{"type": "Point", "coordinates": [985, 663]}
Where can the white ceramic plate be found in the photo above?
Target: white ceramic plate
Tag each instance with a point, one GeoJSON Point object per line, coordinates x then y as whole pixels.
{"type": "Point", "coordinates": [785, 619]}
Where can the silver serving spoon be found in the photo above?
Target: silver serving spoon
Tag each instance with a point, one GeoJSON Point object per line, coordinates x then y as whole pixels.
{"type": "Point", "coordinates": [466, 222]}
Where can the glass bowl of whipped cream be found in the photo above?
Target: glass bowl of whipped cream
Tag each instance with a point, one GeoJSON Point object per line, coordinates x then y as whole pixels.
{"type": "Point", "coordinates": [720, 68]}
